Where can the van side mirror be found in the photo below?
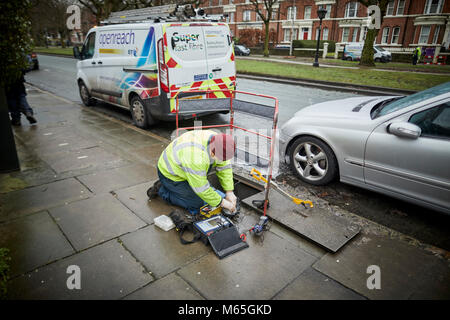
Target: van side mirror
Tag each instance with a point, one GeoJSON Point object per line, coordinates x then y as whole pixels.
{"type": "Point", "coordinates": [405, 130]}
{"type": "Point", "coordinates": [76, 53]}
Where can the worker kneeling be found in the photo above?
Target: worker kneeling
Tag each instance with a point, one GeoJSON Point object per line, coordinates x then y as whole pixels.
{"type": "Point", "coordinates": [183, 168]}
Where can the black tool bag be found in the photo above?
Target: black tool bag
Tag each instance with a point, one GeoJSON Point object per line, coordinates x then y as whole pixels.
{"type": "Point", "coordinates": [182, 226]}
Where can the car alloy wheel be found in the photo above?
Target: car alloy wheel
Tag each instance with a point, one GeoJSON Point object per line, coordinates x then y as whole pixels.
{"type": "Point", "coordinates": [85, 96]}
{"type": "Point", "coordinates": [138, 113]}
{"type": "Point", "coordinates": [313, 161]}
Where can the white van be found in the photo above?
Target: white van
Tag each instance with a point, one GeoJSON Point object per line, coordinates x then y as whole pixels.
{"type": "Point", "coordinates": [353, 51]}
{"type": "Point", "coordinates": [144, 66]}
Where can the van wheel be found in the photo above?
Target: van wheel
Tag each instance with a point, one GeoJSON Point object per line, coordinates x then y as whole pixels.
{"type": "Point", "coordinates": [84, 94]}
{"type": "Point", "coordinates": [377, 59]}
{"type": "Point", "coordinates": [139, 113]}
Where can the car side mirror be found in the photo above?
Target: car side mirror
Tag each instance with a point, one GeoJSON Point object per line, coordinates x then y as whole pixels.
{"type": "Point", "coordinates": [405, 130]}
{"type": "Point", "coordinates": [76, 53]}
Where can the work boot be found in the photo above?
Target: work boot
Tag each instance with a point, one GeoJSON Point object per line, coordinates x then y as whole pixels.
{"type": "Point", "coordinates": [152, 192]}
{"type": "Point", "coordinates": [30, 118]}
{"type": "Point", "coordinates": [16, 122]}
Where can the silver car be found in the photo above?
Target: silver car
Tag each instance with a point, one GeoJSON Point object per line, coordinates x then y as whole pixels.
{"type": "Point", "coordinates": [399, 146]}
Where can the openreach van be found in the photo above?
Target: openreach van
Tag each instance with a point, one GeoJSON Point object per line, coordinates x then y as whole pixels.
{"type": "Point", "coordinates": [353, 51]}
{"type": "Point", "coordinates": [143, 59]}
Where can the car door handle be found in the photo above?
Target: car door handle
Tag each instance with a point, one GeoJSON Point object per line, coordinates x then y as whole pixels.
{"type": "Point", "coordinates": [93, 62]}
{"type": "Point", "coordinates": [217, 69]}
{"type": "Point", "coordinates": [100, 62]}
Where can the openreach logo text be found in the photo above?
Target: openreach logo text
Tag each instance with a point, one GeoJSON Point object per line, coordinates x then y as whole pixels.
{"type": "Point", "coordinates": [117, 38]}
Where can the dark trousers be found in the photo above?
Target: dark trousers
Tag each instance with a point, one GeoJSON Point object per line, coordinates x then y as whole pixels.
{"type": "Point", "coordinates": [17, 105]}
{"type": "Point", "coordinates": [180, 193]}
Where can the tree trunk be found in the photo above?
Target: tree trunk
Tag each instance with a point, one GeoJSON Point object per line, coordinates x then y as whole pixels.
{"type": "Point", "coordinates": [367, 53]}
{"type": "Point", "coordinates": [266, 39]}
{"type": "Point", "coordinates": [8, 157]}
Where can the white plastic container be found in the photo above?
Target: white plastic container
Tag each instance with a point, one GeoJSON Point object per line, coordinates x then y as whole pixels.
{"type": "Point", "coordinates": [164, 222]}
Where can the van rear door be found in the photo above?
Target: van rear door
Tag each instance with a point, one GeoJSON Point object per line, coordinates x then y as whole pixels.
{"type": "Point", "coordinates": [185, 55]}
{"type": "Point", "coordinates": [199, 56]}
{"type": "Point", "coordinates": [220, 57]}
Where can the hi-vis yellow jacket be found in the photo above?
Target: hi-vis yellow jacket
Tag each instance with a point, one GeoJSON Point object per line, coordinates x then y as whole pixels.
{"type": "Point", "coordinates": [187, 158]}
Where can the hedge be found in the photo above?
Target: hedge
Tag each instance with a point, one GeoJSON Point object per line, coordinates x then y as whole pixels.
{"type": "Point", "coordinates": [312, 44]}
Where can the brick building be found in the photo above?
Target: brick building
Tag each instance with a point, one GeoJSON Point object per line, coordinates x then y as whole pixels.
{"type": "Point", "coordinates": [407, 23]}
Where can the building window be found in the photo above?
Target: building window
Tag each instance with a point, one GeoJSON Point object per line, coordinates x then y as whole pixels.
{"type": "Point", "coordinates": [287, 34]}
{"type": "Point", "coordinates": [385, 36]}
{"type": "Point", "coordinates": [231, 17]}
{"type": "Point", "coordinates": [395, 34]}
{"type": "Point", "coordinates": [365, 33]}
{"type": "Point", "coordinates": [246, 15]}
{"type": "Point", "coordinates": [220, 2]}
{"type": "Point", "coordinates": [258, 18]}
{"type": "Point", "coordinates": [390, 8]}
{"type": "Point", "coordinates": [345, 33]}
{"type": "Point", "coordinates": [291, 13]}
{"type": "Point", "coordinates": [210, 3]}
{"type": "Point", "coordinates": [424, 34]}
{"type": "Point", "coordinates": [355, 33]}
{"type": "Point", "coordinates": [351, 10]}
{"type": "Point", "coordinates": [307, 12]}
{"type": "Point", "coordinates": [436, 34]}
{"type": "Point", "coordinates": [434, 6]}
{"type": "Point", "coordinates": [274, 14]}
{"type": "Point", "coordinates": [328, 8]}
{"type": "Point", "coordinates": [325, 34]}
{"type": "Point", "coordinates": [400, 7]}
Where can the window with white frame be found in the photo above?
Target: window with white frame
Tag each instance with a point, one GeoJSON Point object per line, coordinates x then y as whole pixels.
{"type": "Point", "coordinates": [354, 34]}
{"type": "Point", "coordinates": [345, 33]}
{"type": "Point", "coordinates": [220, 2]}
{"type": "Point", "coordinates": [390, 8]}
{"type": "Point", "coordinates": [274, 14]}
{"type": "Point", "coordinates": [351, 10]}
{"type": "Point", "coordinates": [307, 12]}
{"type": "Point", "coordinates": [291, 13]}
{"type": "Point", "coordinates": [433, 6]}
{"type": "Point", "coordinates": [395, 34]}
{"type": "Point", "coordinates": [400, 7]}
{"type": "Point", "coordinates": [328, 8]}
{"type": "Point", "coordinates": [246, 15]}
{"type": "Point", "coordinates": [385, 36]}
{"type": "Point", "coordinates": [436, 34]}
{"type": "Point", "coordinates": [424, 34]}
{"type": "Point", "coordinates": [258, 18]}
{"type": "Point", "coordinates": [287, 34]}
{"type": "Point", "coordinates": [210, 3]}
{"type": "Point", "coordinates": [325, 34]}
{"type": "Point", "coordinates": [230, 1]}
{"type": "Point", "coordinates": [231, 17]}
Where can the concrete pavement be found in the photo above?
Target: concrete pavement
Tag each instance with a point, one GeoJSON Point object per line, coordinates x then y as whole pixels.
{"type": "Point", "coordinates": [80, 200]}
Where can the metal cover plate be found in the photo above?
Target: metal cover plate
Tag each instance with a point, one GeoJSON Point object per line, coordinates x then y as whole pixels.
{"type": "Point", "coordinates": [319, 225]}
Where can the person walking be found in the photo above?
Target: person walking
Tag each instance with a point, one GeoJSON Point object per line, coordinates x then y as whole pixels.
{"type": "Point", "coordinates": [17, 102]}
{"type": "Point", "coordinates": [183, 168]}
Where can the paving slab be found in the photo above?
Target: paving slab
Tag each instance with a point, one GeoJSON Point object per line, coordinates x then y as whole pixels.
{"type": "Point", "coordinates": [312, 285]}
{"type": "Point", "coordinates": [258, 272]}
{"type": "Point", "coordinates": [108, 271]}
{"type": "Point", "coordinates": [94, 158]}
{"type": "Point", "coordinates": [319, 225]}
{"type": "Point", "coordinates": [95, 220]}
{"type": "Point", "coordinates": [161, 252]}
{"type": "Point", "coordinates": [171, 287]}
{"type": "Point", "coordinates": [22, 202]}
{"type": "Point", "coordinates": [149, 154]}
{"type": "Point", "coordinates": [118, 178]}
{"type": "Point", "coordinates": [406, 270]}
{"type": "Point", "coordinates": [33, 241]}
{"type": "Point", "coordinates": [135, 198]}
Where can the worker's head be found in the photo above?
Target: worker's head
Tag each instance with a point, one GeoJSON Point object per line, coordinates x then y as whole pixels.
{"type": "Point", "coordinates": [222, 147]}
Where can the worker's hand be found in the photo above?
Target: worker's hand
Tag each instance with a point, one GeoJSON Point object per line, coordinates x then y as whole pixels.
{"type": "Point", "coordinates": [230, 196]}
{"type": "Point", "coordinates": [228, 205]}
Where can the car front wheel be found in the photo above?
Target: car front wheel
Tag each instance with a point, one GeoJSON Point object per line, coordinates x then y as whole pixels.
{"type": "Point", "coordinates": [313, 161]}
{"type": "Point", "coordinates": [141, 117]}
{"type": "Point", "coordinates": [85, 95]}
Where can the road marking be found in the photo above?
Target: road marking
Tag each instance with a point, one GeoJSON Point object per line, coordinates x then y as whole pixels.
{"type": "Point", "coordinates": [82, 157]}
{"type": "Point", "coordinates": [63, 144]}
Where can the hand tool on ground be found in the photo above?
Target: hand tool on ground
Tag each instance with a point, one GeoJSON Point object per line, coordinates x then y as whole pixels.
{"type": "Point", "coordinates": [258, 176]}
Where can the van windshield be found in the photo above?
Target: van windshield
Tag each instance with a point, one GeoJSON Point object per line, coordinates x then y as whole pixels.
{"type": "Point", "coordinates": [379, 48]}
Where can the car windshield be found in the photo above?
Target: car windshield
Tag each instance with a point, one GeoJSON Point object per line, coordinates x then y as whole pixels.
{"type": "Point", "coordinates": [379, 49]}
{"type": "Point", "coordinates": [410, 100]}
{"type": "Point", "coordinates": [240, 47]}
